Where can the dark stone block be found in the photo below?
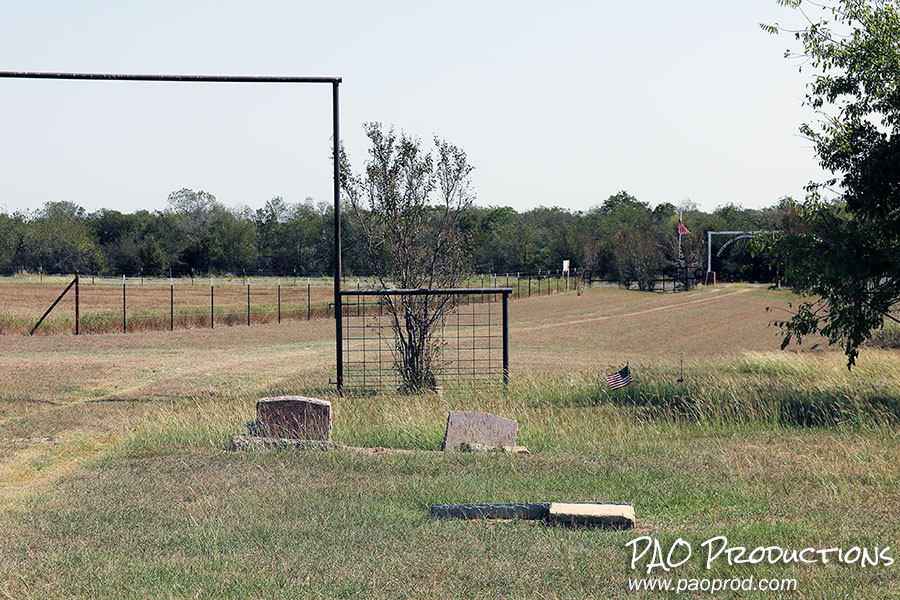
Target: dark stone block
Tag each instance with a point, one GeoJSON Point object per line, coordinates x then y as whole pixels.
{"type": "Point", "coordinates": [294, 417]}
{"type": "Point", "coordinates": [509, 510]}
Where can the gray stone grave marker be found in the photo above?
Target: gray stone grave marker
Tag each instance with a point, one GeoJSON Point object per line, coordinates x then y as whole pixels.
{"type": "Point", "coordinates": [475, 430]}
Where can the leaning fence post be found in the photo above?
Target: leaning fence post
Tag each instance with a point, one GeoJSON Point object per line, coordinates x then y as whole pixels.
{"type": "Point", "coordinates": [77, 302]}
{"type": "Point", "coordinates": [52, 306]}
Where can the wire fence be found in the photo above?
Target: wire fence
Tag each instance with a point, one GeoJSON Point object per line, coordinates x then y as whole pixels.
{"type": "Point", "coordinates": [123, 304]}
{"type": "Point", "coordinates": [457, 337]}
{"type": "Point", "coordinates": [101, 306]}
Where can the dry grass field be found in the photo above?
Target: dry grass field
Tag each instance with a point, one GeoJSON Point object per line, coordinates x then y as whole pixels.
{"type": "Point", "coordinates": [114, 481]}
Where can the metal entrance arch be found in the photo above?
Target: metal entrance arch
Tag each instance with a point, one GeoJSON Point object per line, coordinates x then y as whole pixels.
{"type": "Point", "coordinates": [739, 235]}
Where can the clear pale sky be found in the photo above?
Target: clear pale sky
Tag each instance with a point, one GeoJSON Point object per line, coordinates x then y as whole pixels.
{"type": "Point", "coordinates": [556, 104]}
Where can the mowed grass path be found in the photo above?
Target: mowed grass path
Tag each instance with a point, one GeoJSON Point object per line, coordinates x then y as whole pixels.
{"type": "Point", "coordinates": [114, 482]}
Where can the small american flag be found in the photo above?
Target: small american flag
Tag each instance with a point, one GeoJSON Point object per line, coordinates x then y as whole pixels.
{"type": "Point", "coordinates": [682, 230]}
{"type": "Point", "coordinates": [620, 379]}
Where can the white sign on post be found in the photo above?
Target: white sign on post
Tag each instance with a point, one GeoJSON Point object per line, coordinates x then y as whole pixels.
{"type": "Point", "coordinates": [566, 267]}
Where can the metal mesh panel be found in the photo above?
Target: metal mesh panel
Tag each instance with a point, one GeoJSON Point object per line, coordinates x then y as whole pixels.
{"type": "Point", "coordinates": [469, 343]}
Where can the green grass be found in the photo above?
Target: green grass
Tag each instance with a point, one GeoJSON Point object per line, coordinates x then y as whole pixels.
{"type": "Point", "coordinates": [135, 495]}
{"type": "Point", "coordinates": [193, 520]}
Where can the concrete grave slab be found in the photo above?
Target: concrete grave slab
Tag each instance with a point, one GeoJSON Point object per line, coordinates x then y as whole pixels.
{"type": "Point", "coordinates": [294, 417]}
{"type": "Point", "coordinates": [612, 515]}
{"type": "Point", "coordinates": [531, 511]}
{"type": "Point", "coordinates": [469, 430]}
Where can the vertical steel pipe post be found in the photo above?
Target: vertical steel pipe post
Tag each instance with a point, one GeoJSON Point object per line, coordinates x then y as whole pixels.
{"type": "Point", "coordinates": [505, 340]}
{"type": "Point", "coordinates": [336, 143]}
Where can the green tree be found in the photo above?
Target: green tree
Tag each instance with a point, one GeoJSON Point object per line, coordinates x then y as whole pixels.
{"type": "Point", "coordinates": [12, 232]}
{"type": "Point", "coordinates": [58, 239]}
{"type": "Point", "coordinates": [843, 255]}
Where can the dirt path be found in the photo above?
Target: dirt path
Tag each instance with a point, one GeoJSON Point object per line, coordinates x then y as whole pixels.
{"type": "Point", "coordinates": [581, 321]}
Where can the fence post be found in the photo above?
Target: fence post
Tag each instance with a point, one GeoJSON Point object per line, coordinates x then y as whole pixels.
{"type": "Point", "coordinates": [279, 301]}
{"type": "Point", "coordinates": [529, 285]}
{"type": "Point", "coordinates": [124, 327]}
{"type": "Point", "coordinates": [518, 285]}
{"type": "Point", "coordinates": [171, 304]}
{"type": "Point", "coordinates": [77, 302]}
{"type": "Point", "coordinates": [212, 304]}
{"type": "Point", "coordinates": [505, 341]}
{"type": "Point", "coordinates": [248, 304]}
{"type": "Point", "coordinates": [307, 298]}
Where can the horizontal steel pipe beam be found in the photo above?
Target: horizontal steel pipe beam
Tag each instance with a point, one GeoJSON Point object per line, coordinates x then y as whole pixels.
{"type": "Point", "coordinates": [425, 292]}
{"type": "Point", "coordinates": [180, 78]}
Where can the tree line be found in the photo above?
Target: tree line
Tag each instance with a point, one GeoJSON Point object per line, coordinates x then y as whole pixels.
{"type": "Point", "coordinates": [620, 239]}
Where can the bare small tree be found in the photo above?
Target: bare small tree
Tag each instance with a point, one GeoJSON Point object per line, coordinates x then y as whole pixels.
{"type": "Point", "coordinates": [408, 204]}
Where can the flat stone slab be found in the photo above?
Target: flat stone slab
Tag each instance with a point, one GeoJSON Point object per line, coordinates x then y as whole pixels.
{"type": "Point", "coordinates": [612, 515]}
{"type": "Point", "coordinates": [467, 430]}
{"type": "Point", "coordinates": [256, 443]}
{"type": "Point", "coordinates": [503, 510]}
{"type": "Point", "coordinates": [294, 417]}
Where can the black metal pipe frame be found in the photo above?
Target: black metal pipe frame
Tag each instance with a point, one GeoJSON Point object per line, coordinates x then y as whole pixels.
{"type": "Point", "coordinates": [153, 77]}
{"type": "Point", "coordinates": [336, 158]}
{"type": "Point", "coordinates": [506, 340]}
{"type": "Point", "coordinates": [426, 292]}
{"type": "Point", "coordinates": [334, 81]}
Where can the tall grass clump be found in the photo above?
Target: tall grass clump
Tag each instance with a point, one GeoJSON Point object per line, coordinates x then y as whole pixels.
{"type": "Point", "coordinates": [808, 390]}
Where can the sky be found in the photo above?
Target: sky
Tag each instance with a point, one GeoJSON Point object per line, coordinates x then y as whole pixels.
{"type": "Point", "coordinates": [560, 104]}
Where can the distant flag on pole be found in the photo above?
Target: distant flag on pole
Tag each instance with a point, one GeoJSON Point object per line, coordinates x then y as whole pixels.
{"type": "Point", "coordinates": [682, 230]}
{"type": "Point", "coordinates": [620, 379]}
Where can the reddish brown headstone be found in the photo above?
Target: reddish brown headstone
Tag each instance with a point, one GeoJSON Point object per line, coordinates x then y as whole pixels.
{"type": "Point", "coordinates": [475, 430]}
{"type": "Point", "coordinates": [294, 417]}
